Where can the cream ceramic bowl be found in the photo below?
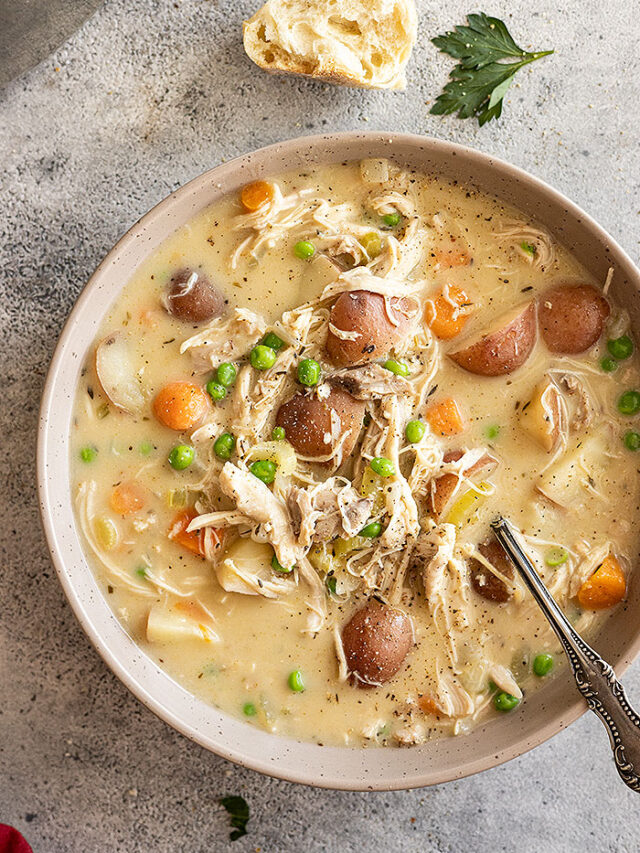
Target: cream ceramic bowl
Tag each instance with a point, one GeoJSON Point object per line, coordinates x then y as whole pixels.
{"type": "Point", "coordinates": [543, 714]}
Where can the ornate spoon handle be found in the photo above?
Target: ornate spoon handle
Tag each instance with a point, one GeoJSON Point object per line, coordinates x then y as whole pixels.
{"type": "Point", "coordinates": [594, 677]}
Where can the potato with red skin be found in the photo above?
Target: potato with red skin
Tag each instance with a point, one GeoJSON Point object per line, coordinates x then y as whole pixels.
{"type": "Point", "coordinates": [376, 641]}
{"type": "Point", "coordinates": [485, 583]}
{"type": "Point", "coordinates": [365, 313]}
{"type": "Point", "coordinates": [306, 420]}
{"type": "Point", "coordinates": [503, 349]}
{"type": "Point", "coordinates": [193, 298]}
{"type": "Point", "coordinates": [572, 317]}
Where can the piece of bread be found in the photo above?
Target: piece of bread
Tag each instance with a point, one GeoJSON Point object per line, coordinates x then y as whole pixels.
{"type": "Point", "coordinates": [363, 43]}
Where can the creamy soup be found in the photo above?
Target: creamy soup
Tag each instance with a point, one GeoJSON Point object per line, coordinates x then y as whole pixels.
{"type": "Point", "coordinates": [298, 420]}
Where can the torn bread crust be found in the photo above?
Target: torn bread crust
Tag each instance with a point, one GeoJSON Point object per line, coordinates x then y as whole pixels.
{"type": "Point", "coordinates": [345, 42]}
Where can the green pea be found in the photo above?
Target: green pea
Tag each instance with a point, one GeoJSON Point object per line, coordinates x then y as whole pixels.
{"type": "Point", "coordinates": [529, 248]}
{"type": "Point", "coordinates": [308, 372]}
{"type": "Point", "coordinates": [505, 701]}
{"type": "Point", "coordinates": [181, 457]}
{"type": "Point", "coordinates": [371, 530]}
{"type": "Point", "coordinates": [215, 390]}
{"type": "Point", "coordinates": [620, 348]}
{"type": "Point", "coordinates": [141, 571]}
{"type": "Point", "coordinates": [275, 565]}
{"type": "Point", "coordinates": [632, 440]}
{"type": "Point", "coordinates": [397, 367]}
{"type": "Point", "coordinates": [372, 243]}
{"type": "Point", "coordinates": [492, 431]}
{"type": "Point", "coordinates": [556, 556]}
{"type": "Point", "coordinates": [249, 709]}
{"type": "Point", "coordinates": [608, 364]}
{"type": "Point", "coordinates": [278, 434]}
{"type": "Point", "coordinates": [382, 466]}
{"type": "Point", "coordinates": [414, 431]}
{"type": "Point", "coordinates": [629, 403]}
{"type": "Point", "coordinates": [542, 664]}
{"type": "Point", "coordinates": [145, 448]}
{"type": "Point", "coordinates": [88, 453]}
{"type": "Point", "coordinates": [391, 219]}
{"type": "Point", "coordinates": [295, 681]}
{"type": "Point", "coordinates": [227, 373]}
{"type": "Point", "coordinates": [304, 249]}
{"type": "Point", "coordinates": [224, 445]}
{"type": "Point", "coordinates": [264, 469]}
{"type": "Point", "coordinates": [273, 341]}
{"type": "Point", "coordinates": [262, 357]}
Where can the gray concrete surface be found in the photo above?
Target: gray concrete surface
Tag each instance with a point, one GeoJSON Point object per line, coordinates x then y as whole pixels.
{"type": "Point", "coordinates": [144, 97]}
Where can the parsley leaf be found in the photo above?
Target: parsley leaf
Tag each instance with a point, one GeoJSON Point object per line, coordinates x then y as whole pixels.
{"type": "Point", "coordinates": [239, 812]}
{"type": "Point", "coordinates": [488, 59]}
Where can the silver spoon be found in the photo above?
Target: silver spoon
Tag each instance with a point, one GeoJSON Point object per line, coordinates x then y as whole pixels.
{"type": "Point", "coordinates": [594, 677]}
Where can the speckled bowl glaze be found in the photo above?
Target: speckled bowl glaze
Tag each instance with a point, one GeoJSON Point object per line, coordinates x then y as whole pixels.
{"type": "Point", "coordinates": [546, 712]}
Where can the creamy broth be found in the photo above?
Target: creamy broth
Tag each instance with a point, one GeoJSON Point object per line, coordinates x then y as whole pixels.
{"type": "Point", "coordinates": [572, 501]}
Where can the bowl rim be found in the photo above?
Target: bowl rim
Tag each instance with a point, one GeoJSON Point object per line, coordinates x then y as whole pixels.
{"type": "Point", "coordinates": [46, 488]}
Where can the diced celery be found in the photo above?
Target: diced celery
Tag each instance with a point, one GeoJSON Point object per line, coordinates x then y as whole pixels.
{"type": "Point", "coordinates": [374, 484]}
{"type": "Point", "coordinates": [106, 533]}
{"type": "Point", "coordinates": [465, 508]}
{"type": "Point", "coordinates": [176, 498]}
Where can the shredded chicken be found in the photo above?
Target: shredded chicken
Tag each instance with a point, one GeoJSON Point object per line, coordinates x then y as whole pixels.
{"type": "Point", "coordinates": [522, 236]}
{"type": "Point", "coordinates": [343, 668]}
{"type": "Point", "coordinates": [400, 503]}
{"type": "Point", "coordinates": [369, 381]}
{"type": "Point", "coordinates": [330, 509]}
{"type": "Point", "coordinates": [446, 585]}
{"type": "Point", "coordinates": [255, 500]}
{"type": "Point", "coordinates": [586, 567]}
{"type": "Point", "coordinates": [400, 257]}
{"type": "Point", "coordinates": [225, 339]}
{"type": "Point", "coordinates": [451, 697]}
{"type": "Point", "coordinates": [583, 409]}
{"type": "Point", "coordinates": [253, 579]}
{"type": "Point", "coordinates": [503, 678]}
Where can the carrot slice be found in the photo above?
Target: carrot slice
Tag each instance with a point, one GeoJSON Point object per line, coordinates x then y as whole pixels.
{"type": "Point", "coordinates": [606, 586]}
{"type": "Point", "coordinates": [126, 499]}
{"type": "Point", "coordinates": [429, 705]}
{"type": "Point", "coordinates": [443, 314]}
{"type": "Point", "coordinates": [254, 196]}
{"type": "Point", "coordinates": [180, 405]}
{"type": "Point", "coordinates": [193, 541]}
{"type": "Point", "coordinates": [444, 417]}
{"type": "Point", "coordinates": [446, 259]}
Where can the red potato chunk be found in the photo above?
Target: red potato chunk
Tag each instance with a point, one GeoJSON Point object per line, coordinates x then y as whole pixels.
{"type": "Point", "coordinates": [572, 317]}
{"type": "Point", "coordinates": [364, 314]}
{"type": "Point", "coordinates": [503, 349]}
{"type": "Point", "coordinates": [306, 420]}
{"type": "Point", "coordinates": [376, 641]}
{"type": "Point", "coordinates": [193, 298]}
{"type": "Point", "coordinates": [484, 582]}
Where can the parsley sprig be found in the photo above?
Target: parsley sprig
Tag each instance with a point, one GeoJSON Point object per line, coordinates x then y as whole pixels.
{"type": "Point", "coordinates": [488, 58]}
{"type": "Point", "coordinates": [239, 813]}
